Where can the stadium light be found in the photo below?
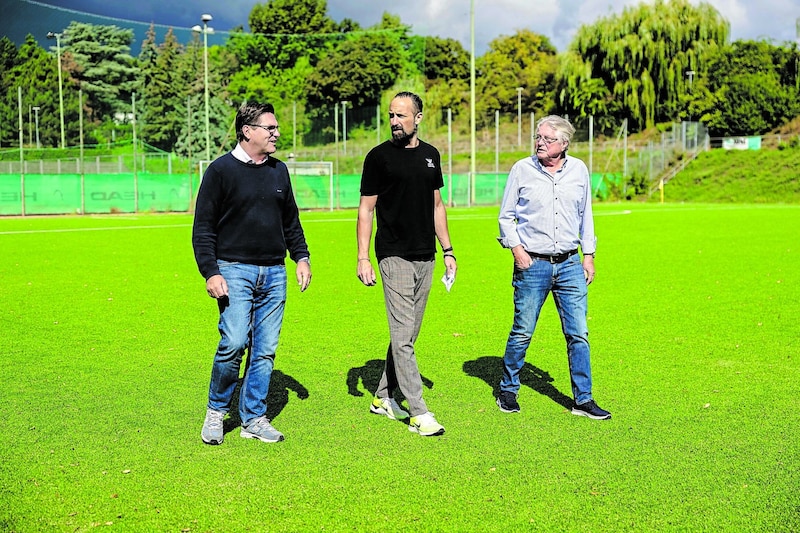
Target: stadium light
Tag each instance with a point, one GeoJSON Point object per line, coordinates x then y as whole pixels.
{"type": "Point", "coordinates": [36, 114]}
{"type": "Point", "coordinates": [205, 30]}
{"type": "Point", "coordinates": [57, 37]}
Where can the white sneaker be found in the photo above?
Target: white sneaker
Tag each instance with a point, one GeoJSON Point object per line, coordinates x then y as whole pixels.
{"type": "Point", "coordinates": [261, 429]}
{"type": "Point", "coordinates": [426, 425]}
{"type": "Point", "coordinates": [212, 432]}
{"type": "Point", "coordinates": [387, 407]}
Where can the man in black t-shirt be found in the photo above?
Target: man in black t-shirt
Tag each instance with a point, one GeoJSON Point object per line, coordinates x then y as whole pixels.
{"type": "Point", "coordinates": [400, 186]}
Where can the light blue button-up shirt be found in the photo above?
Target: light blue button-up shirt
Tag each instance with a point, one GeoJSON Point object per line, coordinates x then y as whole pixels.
{"type": "Point", "coordinates": [548, 214]}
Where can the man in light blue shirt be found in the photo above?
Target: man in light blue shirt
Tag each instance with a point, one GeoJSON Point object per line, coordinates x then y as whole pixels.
{"type": "Point", "coordinates": [545, 218]}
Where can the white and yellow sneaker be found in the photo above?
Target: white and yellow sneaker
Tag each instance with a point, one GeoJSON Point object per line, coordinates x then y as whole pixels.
{"type": "Point", "coordinates": [426, 425]}
{"type": "Point", "coordinates": [387, 407]}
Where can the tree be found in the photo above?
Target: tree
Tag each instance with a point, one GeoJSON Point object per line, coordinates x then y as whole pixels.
{"type": "Point", "coordinates": [641, 58]}
{"type": "Point", "coordinates": [443, 60]}
{"type": "Point", "coordinates": [748, 88]}
{"type": "Point", "coordinates": [8, 60]}
{"type": "Point", "coordinates": [287, 30]}
{"type": "Point", "coordinates": [37, 73]}
{"type": "Point", "coordinates": [526, 60]}
{"type": "Point", "coordinates": [102, 65]}
{"type": "Point", "coordinates": [190, 67]}
{"type": "Point", "coordinates": [358, 71]}
{"type": "Point", "coordinates": [164, 91]}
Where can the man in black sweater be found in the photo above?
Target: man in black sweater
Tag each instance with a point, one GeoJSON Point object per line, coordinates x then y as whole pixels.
{"type": "Point", "coordinates": [246, 219]}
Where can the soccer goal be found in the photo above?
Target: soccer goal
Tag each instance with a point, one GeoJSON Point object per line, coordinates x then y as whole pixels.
{"type": "Point", "coordinates": [312, 182]}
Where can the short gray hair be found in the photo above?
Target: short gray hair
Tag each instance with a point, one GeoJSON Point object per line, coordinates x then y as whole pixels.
{"type": "Point", "coordinates": [563, 126]}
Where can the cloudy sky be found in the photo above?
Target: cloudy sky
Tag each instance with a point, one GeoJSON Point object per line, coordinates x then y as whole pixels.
{"type": "Point", "coordinates": [557, 19]}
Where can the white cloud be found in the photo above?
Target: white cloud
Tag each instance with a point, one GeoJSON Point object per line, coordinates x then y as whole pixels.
{"type": "Point", "coordinates": [557, 19]}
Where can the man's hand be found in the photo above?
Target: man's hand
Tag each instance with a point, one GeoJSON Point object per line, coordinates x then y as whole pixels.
{"type": "Point", "coordinates": [588, 268]}
{"type": "Point", "coordinates": [216, 286]}
{"type": "Point", "coordinates": [303, 273]}
{"type": "Point", "coordinates": [522, 260]}
{"type": "Point", "coordinates": [366, 273]}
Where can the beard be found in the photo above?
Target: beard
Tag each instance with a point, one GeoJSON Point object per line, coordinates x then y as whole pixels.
{"type": "Point", "coordinates": [402, 138]}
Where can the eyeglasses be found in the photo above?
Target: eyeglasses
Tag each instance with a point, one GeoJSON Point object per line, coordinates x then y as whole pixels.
{"type": "Point", "coordinates": [547, 140]}
{"type": "Point", "coordinates": [269, 129]}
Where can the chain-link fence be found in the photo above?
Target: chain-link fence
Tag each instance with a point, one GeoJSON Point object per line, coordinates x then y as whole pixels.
{"type": "Point", "coordinates": [149, 180]}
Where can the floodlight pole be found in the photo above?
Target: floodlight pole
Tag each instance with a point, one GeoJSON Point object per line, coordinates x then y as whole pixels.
{"type": "Point", "coordinates": [519, 116]}
{"type": "Point", "coordinates": [36, 114]}
{"type": "Point", "coordinates": [57, 37]}
{"type": "Point", "coordinates": [206, 30]}
{"type": "Point", "coordinates": [344, 127]}
{"type": "Point", "coordinates": [471, 95]}
{"type": "Point", "coordinates": [690, 74]}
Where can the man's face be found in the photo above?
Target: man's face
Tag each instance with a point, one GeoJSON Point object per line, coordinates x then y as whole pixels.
{"type": "Point", "coordinates": [403, 120]}
{"type": "Point", "coordinates": [548, 142]}
{"type": "Point", "coordinates": [263, 133]}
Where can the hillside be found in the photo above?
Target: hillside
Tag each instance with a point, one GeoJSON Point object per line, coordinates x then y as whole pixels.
{"type": "Point", "coordinates": [738, 176]}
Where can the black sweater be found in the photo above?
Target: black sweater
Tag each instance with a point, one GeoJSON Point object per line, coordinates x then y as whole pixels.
{"type": "Point", "coordinates": [246, 213]}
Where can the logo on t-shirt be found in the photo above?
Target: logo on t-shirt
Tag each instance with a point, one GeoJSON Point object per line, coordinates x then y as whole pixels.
{"type": "Point", "coordinates": [430, 162]}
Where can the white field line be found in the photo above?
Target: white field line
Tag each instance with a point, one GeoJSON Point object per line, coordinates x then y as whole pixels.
{"type": "Point", "coordinates": [305, 221]}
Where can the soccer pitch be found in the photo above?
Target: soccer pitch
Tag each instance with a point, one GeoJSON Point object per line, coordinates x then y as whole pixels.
{"type": "Point", "coordinates": [108, 338]}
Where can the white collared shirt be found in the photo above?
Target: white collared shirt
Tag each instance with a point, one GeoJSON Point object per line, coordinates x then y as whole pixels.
{"type": "Point", "coordinates": [239, 153]}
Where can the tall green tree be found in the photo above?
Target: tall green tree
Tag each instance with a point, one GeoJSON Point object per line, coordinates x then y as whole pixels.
{"type": "Point", "coordinates": [749, 88]}
{"type": "Point", "coordinates": [103, 67]}
{"type": "Point", "coordinates": [222, 66]}
{"type": "Point", "coordinates": [641, 58]}
{"type": "Point", "coordinates": [358, 71]}
{"type": "Point", "coordinates": [525, 59]}
{"type": "Point", "coordinates": [36, 72]}
{"type": "Point", "coordinates": [8, 60]}
{"type": "Point", "coordinates": [286, 30]}
{"type": "Point", "coordinates": [164, 91]}
{"type": "Point", "coordinates": [443, 60]}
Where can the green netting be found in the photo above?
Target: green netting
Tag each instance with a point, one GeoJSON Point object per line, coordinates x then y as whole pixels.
{"type": "Point", "coordinates": [47, 194]}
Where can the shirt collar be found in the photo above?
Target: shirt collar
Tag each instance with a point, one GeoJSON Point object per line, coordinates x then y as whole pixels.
{"type": "Point", "coordinates": [239, 153]}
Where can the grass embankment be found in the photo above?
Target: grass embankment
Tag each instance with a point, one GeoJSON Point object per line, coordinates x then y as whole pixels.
{"type": "Point", "coordinates": [739, 176]}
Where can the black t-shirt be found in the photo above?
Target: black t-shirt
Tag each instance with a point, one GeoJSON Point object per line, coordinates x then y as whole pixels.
{"type": "Point", "coordinates": [404, 180]}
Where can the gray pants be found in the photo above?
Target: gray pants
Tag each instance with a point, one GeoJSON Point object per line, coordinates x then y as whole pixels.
{"type": "Point", "coordinates": [406, 286]}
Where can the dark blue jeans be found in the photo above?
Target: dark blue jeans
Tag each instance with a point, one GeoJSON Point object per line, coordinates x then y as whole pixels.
{"type": "Point", "coordinates": [531, 286]}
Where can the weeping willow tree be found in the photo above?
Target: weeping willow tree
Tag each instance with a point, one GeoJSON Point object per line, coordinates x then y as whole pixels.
{"type": "Point", "coordinates": [634, 65]}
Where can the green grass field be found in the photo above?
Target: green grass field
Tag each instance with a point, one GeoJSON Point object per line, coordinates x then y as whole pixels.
{"type": "Point", "coordinates": [108, 338]}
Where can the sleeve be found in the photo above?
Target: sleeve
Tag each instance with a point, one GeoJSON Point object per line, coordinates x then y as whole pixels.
{"type": "Point", "coordinates": [293, 234]}
{"type": "Point", "coordinates": [508, 211]}
{"type": "Point", "coordinates": [588, 238]}
{"type": "Point", "coordinates": [370, 173]}
{"type": "Point", "coordinates": [206, 218]}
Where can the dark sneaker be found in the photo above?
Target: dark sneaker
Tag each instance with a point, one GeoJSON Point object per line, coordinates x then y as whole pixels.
{"type": "Point", "coordinates": [592, 410]}
{"type": "Point", "coordinates": [261, 429]}
{"type": "Point", "coordinates": [212, 427]}
{"type": "Point", "coordinates": [507, 402]}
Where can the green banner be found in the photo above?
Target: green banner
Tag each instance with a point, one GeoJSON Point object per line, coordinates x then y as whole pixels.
{"type": "Point", "coordinates": [46, 194]}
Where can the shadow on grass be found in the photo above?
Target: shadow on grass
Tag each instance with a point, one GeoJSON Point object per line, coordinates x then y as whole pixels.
{"type": "Point", "coordinates": [370, 375]}
{"type": "Point", "coordinates": [278, 397]}
{"type": "Point", "coordinates": [490, 369]}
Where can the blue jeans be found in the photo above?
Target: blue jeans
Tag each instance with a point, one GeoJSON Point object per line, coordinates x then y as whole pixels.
{"type": "Point", "coordinates": [531, 286]}
{"type": "Point", "coordinates": [250, 318]}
